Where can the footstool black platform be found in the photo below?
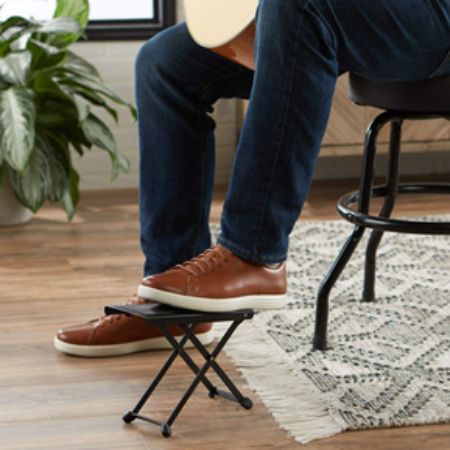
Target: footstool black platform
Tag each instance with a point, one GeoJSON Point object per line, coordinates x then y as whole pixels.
{"type": "Point", "coordinates": [162, 316]}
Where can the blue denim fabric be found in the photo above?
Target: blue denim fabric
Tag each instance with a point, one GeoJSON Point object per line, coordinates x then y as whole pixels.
{"type": "Point", "coordinates": [301, 48]}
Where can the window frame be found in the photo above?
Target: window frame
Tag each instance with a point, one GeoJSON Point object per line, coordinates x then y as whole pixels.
{"type": "Point", "coordinates": [139, 29]}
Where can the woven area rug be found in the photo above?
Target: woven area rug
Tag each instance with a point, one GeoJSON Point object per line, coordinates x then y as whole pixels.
{"type": "Point", "coordinates": [390, 361]}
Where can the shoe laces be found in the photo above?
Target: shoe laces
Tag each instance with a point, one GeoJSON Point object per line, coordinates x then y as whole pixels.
{"type": "Point", "coordinates": [114, 318]}
{"type": "Point", "coordinates": [205, 262]}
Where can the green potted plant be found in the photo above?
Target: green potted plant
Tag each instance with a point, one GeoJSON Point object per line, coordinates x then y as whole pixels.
{"type": "Point", "coordinates": [48, 102]}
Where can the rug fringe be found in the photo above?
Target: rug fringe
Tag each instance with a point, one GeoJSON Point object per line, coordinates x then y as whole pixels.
{"type": "Point", "coordinates": [286, 393]}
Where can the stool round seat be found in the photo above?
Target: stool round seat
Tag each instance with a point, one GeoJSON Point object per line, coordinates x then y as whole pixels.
{"type": "Point", "coordinates": [431, 95]}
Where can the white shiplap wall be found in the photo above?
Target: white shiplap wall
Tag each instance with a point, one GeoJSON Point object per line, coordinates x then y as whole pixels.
{"type": "Point", "coordinates": [115, 61]}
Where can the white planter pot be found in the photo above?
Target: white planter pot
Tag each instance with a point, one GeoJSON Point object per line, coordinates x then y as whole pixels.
{"type": "Point", "coordinates": [11, 211]}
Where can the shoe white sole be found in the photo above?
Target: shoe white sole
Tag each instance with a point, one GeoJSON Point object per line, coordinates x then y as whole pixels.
{"type": "Point", "coordinates": [98, 351]}
{"type": "Point", "coordinates": [204, 304]}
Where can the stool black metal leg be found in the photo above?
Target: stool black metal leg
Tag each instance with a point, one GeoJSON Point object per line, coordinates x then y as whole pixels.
{"type": "Point", "coordinates": [236, 395]}
{"type": "Point", "coordinates": [186, 358]}
{"type": "Point", "coordinates": [386, 211]}
{"type": "Point", "coordinates": [320, 333]}
{"type": "Point", "coordinates": [131, 415]}
{"type": "Point", "coordinates": [365, 194]}
{"type": "Point", "coordinates": [200, 373]}
{"type": "Point", "coordinates": [199, 377]}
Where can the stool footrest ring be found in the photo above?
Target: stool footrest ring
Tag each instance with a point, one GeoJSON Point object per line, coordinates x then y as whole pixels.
{"type": "Point", "coordinates": [395, 225]}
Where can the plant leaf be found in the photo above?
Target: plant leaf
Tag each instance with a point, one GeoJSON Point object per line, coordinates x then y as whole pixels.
{"type": "Point", "coordinates": [61, 25]}
{"type": "Point", "coordinates": [15, 67]}
{"type": "Point", "coordinates": [17, 126]}
{"type": "Point", "coordinates": [65, 107]}
{"type": "Point", "coordinates": [77, 10]}
{"type": "Point", "coordinates": [12, 29]}
{"type": "Point", "coordinates": [44, 56]}
{"type": "Point", "coordinates": [83, 109]}
{"type": "Point", "coordinates": [70, 126]}
{"type": "Point", "coordinates": [43, 83]}
{"type": "Point", "coordinates": [14, 21]}
{"type": "Point", "coordinates": [78, 63]}
{"type": "Point", "coordinates": [89, 84]}
{"type": "Point", "coordinates": [53, 112]}
{"type": "Point", "coordinates": [4, 48]}
{"type": "Point", "coordinates": [72, 194]}
{"type": "Point", "coordinates": [27, 31]}
{"type": "Point", "coordinates": [100, 135]}
{"type": "Point", "coordinates": [95, 99]}
{"type": "Point", "coordinates": [59, 165]}
{"type": "Point", "coordinates": [123, 163]}
{"type": "Point", "coordinates": [32, 186]}
{"type": "Point", "coordinates": [77, 146]}
{"type": "Point", "coordinates": [67, 136]}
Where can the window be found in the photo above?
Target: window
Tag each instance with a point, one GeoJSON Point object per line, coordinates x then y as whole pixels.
{"type": "Point", "coordinates": [109, 19]}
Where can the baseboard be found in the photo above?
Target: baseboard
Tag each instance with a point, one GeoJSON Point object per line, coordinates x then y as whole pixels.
{"type": "Point", "coordinates": [345, 167]}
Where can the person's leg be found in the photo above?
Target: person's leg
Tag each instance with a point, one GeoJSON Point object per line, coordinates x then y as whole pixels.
{"type": "Point", "coordinates": [177, 83]}
{"type": "Point", "coordinates": [301, 48]}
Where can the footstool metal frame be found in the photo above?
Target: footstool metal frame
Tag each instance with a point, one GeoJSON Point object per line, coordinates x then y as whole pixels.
{"type": "Point", "coordinates": [161, 316]}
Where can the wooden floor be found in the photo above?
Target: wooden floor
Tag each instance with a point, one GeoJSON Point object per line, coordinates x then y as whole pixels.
{"type": "Point", "coordinates": [54, 274]}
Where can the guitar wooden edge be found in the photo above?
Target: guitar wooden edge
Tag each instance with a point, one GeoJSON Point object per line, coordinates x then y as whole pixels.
{"type": "Point", "coordinates": [226, 27]}
{"type": "Point", "coordinates": [214, 23]}
{"type": "Point", "coordinates": [240, 49]}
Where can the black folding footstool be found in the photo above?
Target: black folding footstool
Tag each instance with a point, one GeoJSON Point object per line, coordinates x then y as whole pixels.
{"type": "Point", "coordinates": [162, 316]}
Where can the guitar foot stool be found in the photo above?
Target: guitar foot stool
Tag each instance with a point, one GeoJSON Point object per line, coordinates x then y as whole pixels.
{"type": "Point", "coordinates": [162, 316]}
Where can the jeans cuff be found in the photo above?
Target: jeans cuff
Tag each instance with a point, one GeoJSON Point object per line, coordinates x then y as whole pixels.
{"type": "Point", "coordinates": [249, 255]}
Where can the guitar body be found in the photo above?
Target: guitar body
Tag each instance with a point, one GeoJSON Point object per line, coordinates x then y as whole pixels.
{"type": "Point", "coordinates": [224, 26]}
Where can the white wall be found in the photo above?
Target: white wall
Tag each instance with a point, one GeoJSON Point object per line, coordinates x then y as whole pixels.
{"type": "Point", "coordinates": [115, 61]}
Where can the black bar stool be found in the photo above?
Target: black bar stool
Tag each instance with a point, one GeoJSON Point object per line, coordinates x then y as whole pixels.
{"type": "Point", "coordinates": [412, 100]}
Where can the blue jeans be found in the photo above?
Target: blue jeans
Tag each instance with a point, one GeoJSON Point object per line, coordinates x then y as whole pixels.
{"type": "Point", "coordinates": [301, 48]}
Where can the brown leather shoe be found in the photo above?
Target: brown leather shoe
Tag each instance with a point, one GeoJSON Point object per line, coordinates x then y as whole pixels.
{"type": "Point", "coordinates": [218, 281]}
{"type": "Point", "coordinates": [120, 335]}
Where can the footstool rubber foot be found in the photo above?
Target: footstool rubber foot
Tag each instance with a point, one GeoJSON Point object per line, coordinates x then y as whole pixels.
{"type": "Point", "coordinates": [128, 417]}
{"type": "Point", "coordinates": [166, 430]}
